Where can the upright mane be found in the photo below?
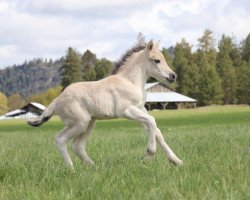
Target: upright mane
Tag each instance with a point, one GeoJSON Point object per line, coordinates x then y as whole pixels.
{"type": "Point", "coordinates": [117, 65]}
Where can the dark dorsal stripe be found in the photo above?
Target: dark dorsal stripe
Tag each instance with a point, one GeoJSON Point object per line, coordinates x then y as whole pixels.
{"type": "Point", "coordinates": [124, 58]}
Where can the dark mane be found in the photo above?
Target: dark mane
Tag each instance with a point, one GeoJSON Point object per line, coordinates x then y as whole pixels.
{"type": "Point", "coordinates": [123, 59]}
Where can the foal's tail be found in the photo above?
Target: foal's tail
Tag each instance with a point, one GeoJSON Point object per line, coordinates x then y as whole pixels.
{"type": "Point", "coordinates": [46, 115]}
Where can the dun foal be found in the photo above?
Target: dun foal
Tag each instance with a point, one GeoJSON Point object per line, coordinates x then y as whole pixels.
{"type": "Point", "coordinates": [121, 95]}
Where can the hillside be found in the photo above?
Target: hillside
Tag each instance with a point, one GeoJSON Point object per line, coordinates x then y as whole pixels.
{"type": "Point", "coordinates": [29, 78]}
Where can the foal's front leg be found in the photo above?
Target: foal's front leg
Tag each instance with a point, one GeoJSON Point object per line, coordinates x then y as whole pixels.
{"type": "Point", "coordinates": [150, 124]}
{"type": "Point", "coordinates": [169, 153]}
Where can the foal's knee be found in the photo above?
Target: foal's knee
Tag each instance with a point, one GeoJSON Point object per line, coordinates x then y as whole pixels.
{"type": "Point", "coordinates": [59, 140]}
{"type": "Point", "coordinates": [150, 123]}
{"type": "Point", "coordinates": [74, 146]}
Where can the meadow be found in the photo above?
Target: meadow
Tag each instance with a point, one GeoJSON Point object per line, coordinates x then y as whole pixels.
{"type": "Point", "coordinates": [213, 142]}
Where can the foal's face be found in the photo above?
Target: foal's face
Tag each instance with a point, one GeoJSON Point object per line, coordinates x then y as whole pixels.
{"type": "Point", "coordinates": [157, 66]}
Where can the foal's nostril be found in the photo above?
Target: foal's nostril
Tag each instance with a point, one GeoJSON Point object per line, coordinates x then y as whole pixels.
{"type": "Point", "coordinates": [172, 76]}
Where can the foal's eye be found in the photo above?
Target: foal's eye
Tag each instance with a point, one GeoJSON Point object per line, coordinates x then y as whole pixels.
{"type": "Point", "coordinates": [157, 61]}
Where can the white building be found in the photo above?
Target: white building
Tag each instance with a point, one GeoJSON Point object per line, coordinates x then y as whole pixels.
{"type": "Point", "coordinates": [161, 97]}
{"type": "Point", "coordinates": [28, 111]}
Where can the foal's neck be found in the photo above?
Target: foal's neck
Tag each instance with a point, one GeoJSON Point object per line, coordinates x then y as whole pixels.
{"type": "Point", "coordinates": [134, 70]}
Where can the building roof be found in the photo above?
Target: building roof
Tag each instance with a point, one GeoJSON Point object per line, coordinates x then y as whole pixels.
{"type": "Point", "coordinates": [167, 97]}
{"type": "Point", "coordinates": [149, 85]}
{"type": "Point", "coordinates": [170, 96]}
{"type": "Point", "coordinates": [38, 105]}
{"type": "Point", "coordinates": [15, 113]}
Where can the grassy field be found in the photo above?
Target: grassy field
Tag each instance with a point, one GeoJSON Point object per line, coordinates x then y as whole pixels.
{"type": "Point", "coordinates": [213, 142]}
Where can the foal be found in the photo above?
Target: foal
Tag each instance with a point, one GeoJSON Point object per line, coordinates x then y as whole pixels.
{"type": "Point", "coordinates": [121, 95]}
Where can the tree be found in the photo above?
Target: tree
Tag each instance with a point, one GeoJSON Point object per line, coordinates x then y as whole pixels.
{"type": "Point", "coordinates": [207, 45]}
{"type": "Point", "coordinates": [206, 42]}
{"type": "Point", "coordinates": [227, 70]}
{"type": "Point", "coordinates": [46, 97]}
{"type": "Point", "coordinates": [187, 73]}
{"type": "Point", "coordinates": [88, 63]}
{"type": "Point", "coordinates": [38, 98]}
{"type": "Point", "coordinates": [246, 49]}
{"type": "Point", "coordinates": [71, 69]}
{"type": "Point", "coordinates": [243, 89]}
{"type": "Point", "coordinates": [167, 56]}
{"type": "Point", "coordinates": [51, 94]}
{"type": "Point", "coordinates": [3, 104]}
{"type": "Point", "coordinates": [210, 91]}
{"type": "Point", "coordinates": [15, 101]}
{"type": "Point", "coordinates": [90, 75]}
{"type": "Point", "coordinates": [102, 68]}
{"type": "Point", "coordinates": [235, 54]}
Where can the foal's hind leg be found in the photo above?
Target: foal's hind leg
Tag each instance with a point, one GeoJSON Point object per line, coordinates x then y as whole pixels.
{"type": "Point", "coordinates": [61, 142]}
{"type": "Point", "coordinates": [79, 144]}
{"type": "Point", "coordinates": [66, 135]}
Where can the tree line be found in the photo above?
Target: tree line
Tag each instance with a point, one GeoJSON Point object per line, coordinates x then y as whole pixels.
{"type": "Point", "coordinates": [212, 74]}
{"type": "Point", "coordinates": [31, 77]}
{"type": "Point", "coordinates": [84, 67]}
{"type": "Point", "coordinates": [29, 82]}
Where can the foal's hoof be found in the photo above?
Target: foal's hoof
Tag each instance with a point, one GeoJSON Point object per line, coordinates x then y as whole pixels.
{"type": "Point", "coordinates": [146, 158]}
{"type": "Point", "coordinates": [72, 171]}
{"type": "Point", "coordinates": [176, 162]}
{"type": "Point", "coordinates": [93, 165]}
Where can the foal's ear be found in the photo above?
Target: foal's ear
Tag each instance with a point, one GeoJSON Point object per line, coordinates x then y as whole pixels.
{"type": "Point", "coordinates": [150, 45]}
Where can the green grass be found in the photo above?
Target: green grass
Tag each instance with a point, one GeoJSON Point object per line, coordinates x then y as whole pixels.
{"type": "Point", "coordinates": [213, 142]}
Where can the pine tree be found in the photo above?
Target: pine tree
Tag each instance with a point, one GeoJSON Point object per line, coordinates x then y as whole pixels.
{"type": "Point", "coordinates": [210, 91]}
{"type": "Point", "coordinates": [206, 42]}
{"type": "Point", "coordinates": [207, 45]}
{"type": "Point", "coordinates": [243, 74]}
{"type": "Point", "coordinates": [235, 54]}
{"type": "Point", "coordinates": [186, 69]}
{"type": "Point", "coordinates": [227, 70]}
{"type": "Point", "coordinates": [167, 56]}
{"type": "Point", "coordinates": [243, 89]}
{"type": "Point", "coordinates": [71, 69]}
{"type": "Point", "coordinates": [209, 83]}
{"type": "Point", "coordinates": [246, 49]}
{"type": "Point", "coordinates": [88, 63]}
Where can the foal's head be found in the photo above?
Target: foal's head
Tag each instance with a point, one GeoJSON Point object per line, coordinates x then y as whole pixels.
{"type": "Point", "coordinates": [156, 64]}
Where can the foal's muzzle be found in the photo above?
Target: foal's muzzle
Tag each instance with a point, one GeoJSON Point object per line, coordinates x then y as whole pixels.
{"type": "Point", "coordinates": [172, 77]}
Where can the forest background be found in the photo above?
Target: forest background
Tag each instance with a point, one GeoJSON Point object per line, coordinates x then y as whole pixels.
{"type": "Point", "coordinates": [211, 73]}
